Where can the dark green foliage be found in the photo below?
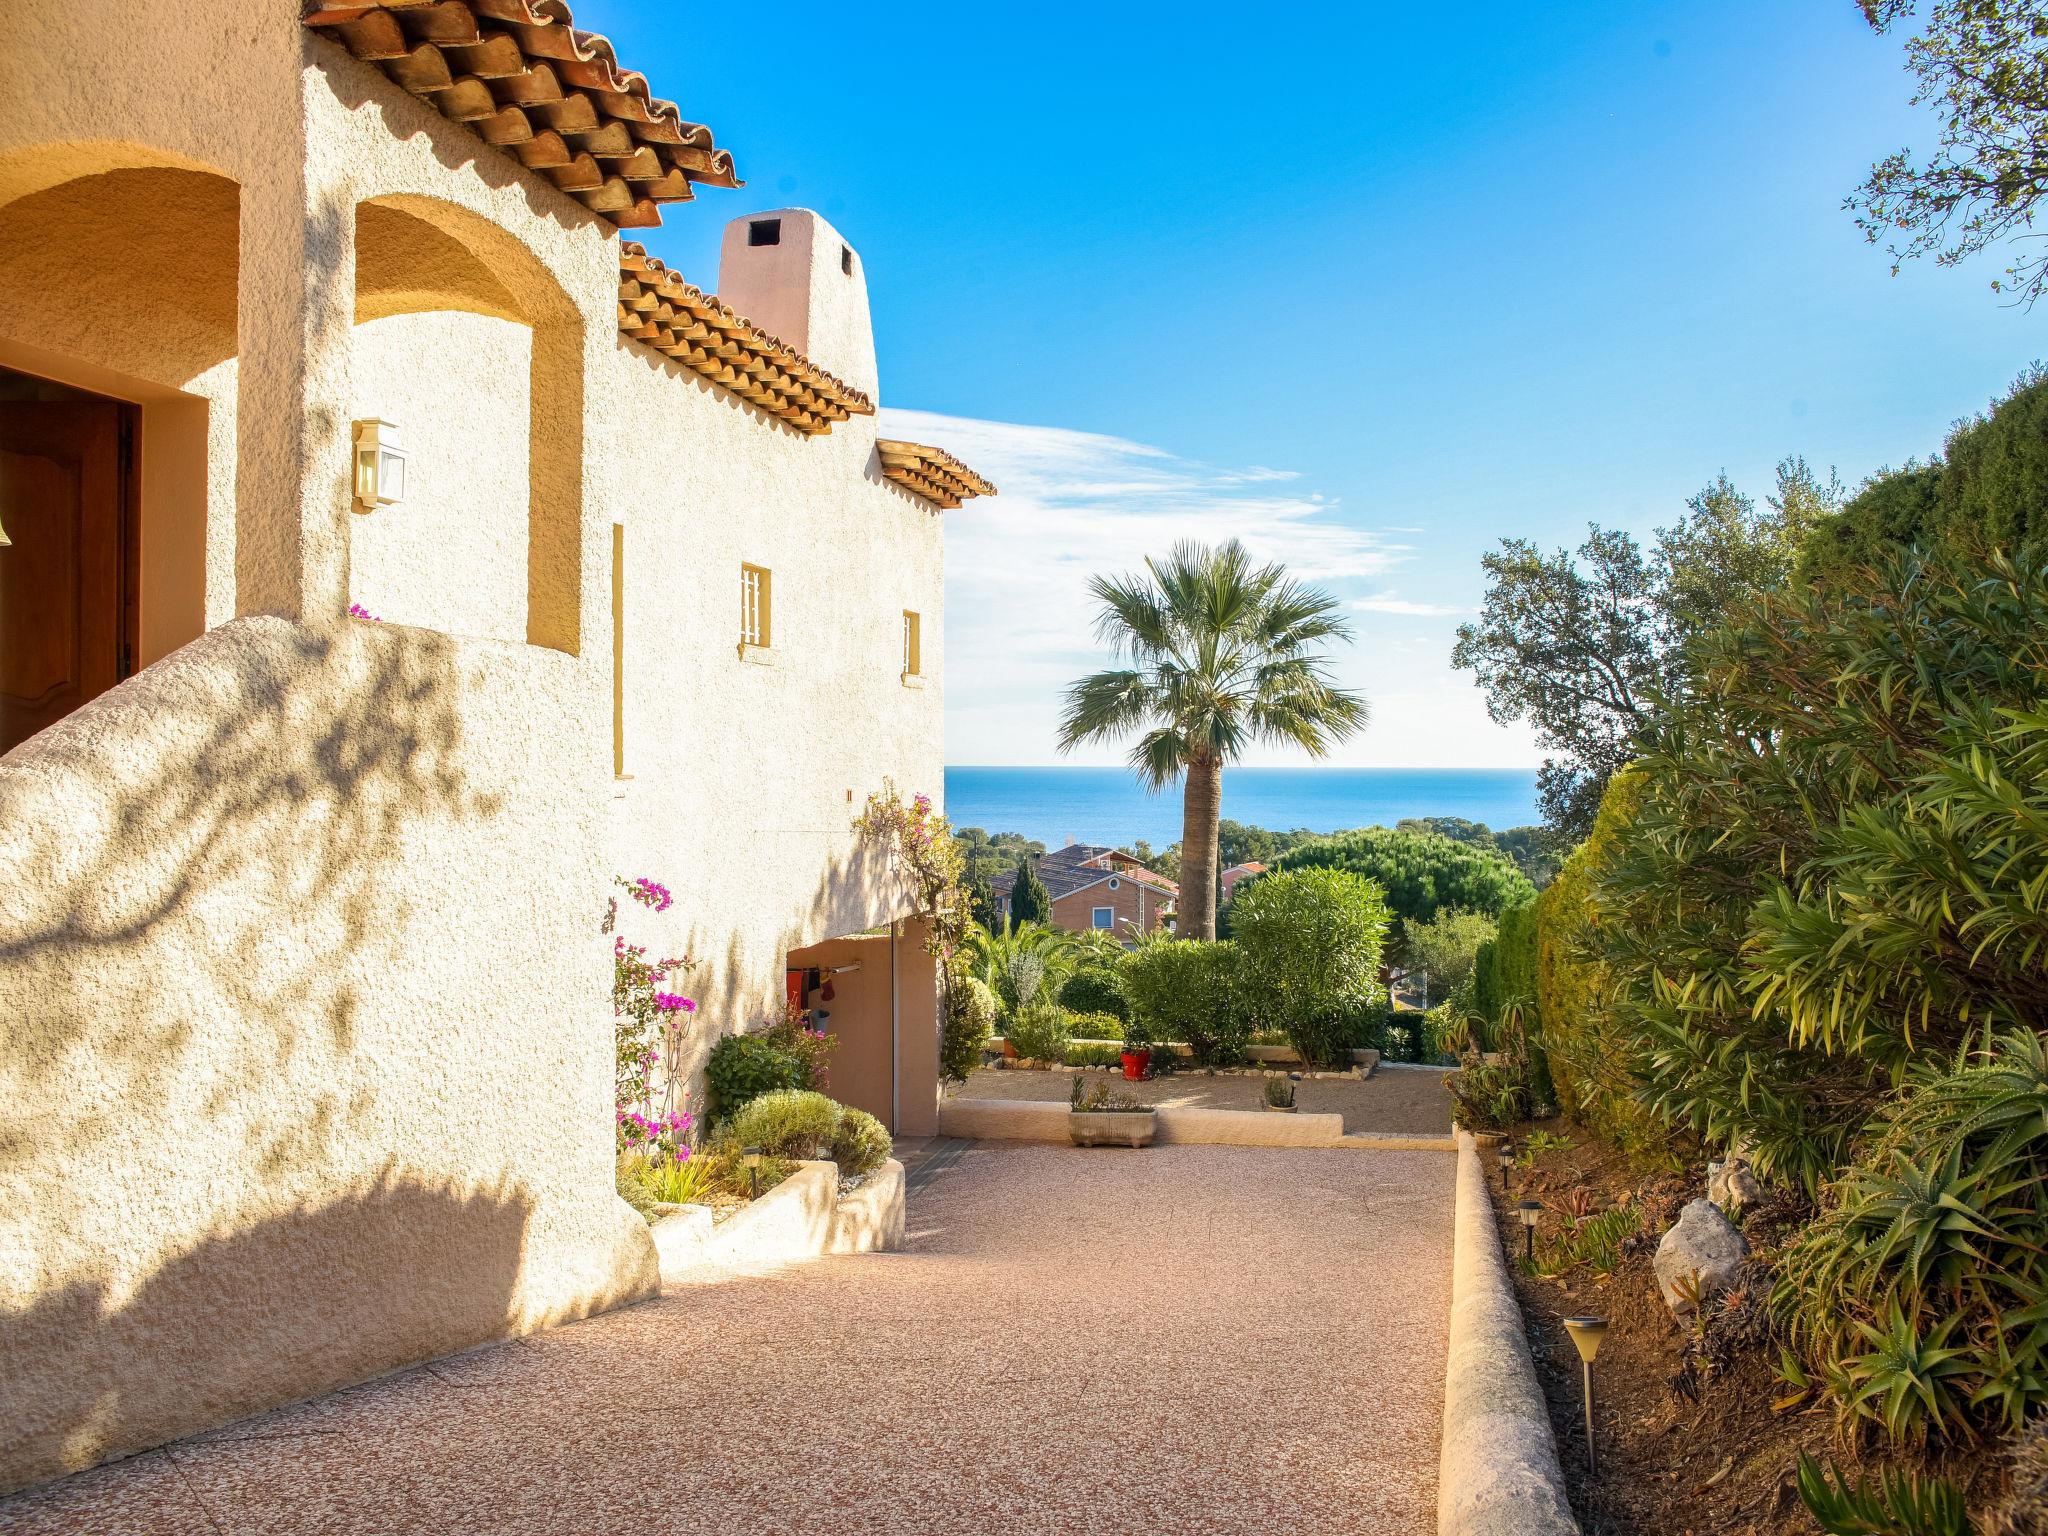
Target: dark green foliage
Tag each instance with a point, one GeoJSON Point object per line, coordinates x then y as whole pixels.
{"type": "Point", "coordinates": [1418, 871]}
{"type": "Point", "coordinates": [1582, 643]}
{"type": "Point", "coordinates": [1900, 1502]}
{"type": "Point", "coordinates": [1505, 969]}
{"type": "Point", "coordinates": [1838, 863]}
{"type": "Point", "coordinates": [1186, 990]}
{"type": "Point", "coordinates": [1310, 942]}
{"type": "Point", "coordinates": [1029, 900]}
{"type": "Point", "coordinates": [981, 902]}
{"type": "Point", "coordinates": [1988, 490]}
{"type": "Point", "coordinates": [743, 1067]}
{"type": "Point", "coordinates": [1095, 989]}
{"type": "Point", "coordinates": [970, 1021]}
{"type": "Point", "coordinates": [1040, 1030]}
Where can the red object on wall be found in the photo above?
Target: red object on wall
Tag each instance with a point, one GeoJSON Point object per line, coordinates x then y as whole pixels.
{"type": "Point", "coordinates": [793, 987]}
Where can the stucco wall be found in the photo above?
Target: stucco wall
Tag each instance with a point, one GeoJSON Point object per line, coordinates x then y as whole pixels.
{"type": "Point", "coordinates": [452, 555]}
{"type": "Point", "coordinates": [308, 1056]}
{"type": "Point", "coordinates": [271, 1119]}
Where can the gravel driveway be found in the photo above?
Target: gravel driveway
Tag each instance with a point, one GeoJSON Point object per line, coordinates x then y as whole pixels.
{"type": "Point", "coordinates": [1187, 1339]}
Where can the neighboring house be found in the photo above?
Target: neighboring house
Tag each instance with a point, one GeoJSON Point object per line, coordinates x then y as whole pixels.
{"type": "Point", "coordinates": [1227, 881]}
{"type": "Point", "coordinates": [1103, 889]}
{"type": "Point", "coordinates": [307, 1064]}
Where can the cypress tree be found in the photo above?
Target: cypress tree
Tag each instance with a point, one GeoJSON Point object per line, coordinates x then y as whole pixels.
{"type": "Point", "coordinates": [1029, 900]}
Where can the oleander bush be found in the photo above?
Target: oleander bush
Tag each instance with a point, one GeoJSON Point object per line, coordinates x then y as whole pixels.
{"type": "Point", "coordinates": [1309, 943]}
{"type": "Point", "coordinates": [1187, 990]}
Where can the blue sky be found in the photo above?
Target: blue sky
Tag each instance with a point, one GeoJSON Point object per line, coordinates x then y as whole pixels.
{"type": "Point", "coordinates": [1372, 286]}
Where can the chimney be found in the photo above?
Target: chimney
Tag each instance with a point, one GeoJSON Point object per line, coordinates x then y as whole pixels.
{"type": "Point", "coordinates": [795, 276]}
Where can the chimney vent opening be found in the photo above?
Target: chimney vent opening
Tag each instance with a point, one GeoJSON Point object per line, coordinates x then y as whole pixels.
{"type": "Point", "coordinates": [764, 232]}
{"type": "Point", "coordinates": [846, 259]}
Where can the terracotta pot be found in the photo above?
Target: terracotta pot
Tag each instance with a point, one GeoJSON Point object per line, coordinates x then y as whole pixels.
{"type": "Point", "coordinates": [1136, 1064]}
{"type": "Point", "coordinates": [1487, 1140]}
{"type": "Point", "coordinates": [1281, 1109]}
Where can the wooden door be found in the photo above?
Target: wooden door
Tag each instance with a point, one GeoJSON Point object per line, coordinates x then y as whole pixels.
{"type": "Point", "coordinates": [66, 615]}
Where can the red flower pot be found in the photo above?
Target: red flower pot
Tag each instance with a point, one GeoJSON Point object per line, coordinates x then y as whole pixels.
{"type": "Point", "coordinates": [1135, 1065]}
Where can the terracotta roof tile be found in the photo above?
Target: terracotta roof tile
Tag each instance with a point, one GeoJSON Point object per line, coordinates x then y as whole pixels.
{"type": "Point", "coordinates": [683, 322]}
{"type": "Point", "coordinates": [530, 82]}
{"type": "Point", "coordinates": [931, 473]}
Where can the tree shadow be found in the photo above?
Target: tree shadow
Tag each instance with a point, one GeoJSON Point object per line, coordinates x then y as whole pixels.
{"type": "Point", "coordinates": [251, 1318]}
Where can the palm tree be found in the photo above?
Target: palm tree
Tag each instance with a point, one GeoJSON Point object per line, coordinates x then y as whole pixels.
{"type": "Point", "coordinates": [1221, 655]}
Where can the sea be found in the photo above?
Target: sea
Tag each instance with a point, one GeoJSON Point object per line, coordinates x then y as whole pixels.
{"type": "Point", "coordinates": [1056, 806]}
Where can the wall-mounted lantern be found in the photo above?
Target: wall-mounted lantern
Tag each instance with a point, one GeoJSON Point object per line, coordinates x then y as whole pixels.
{"type": "Point", "coordinates": [380, 466]}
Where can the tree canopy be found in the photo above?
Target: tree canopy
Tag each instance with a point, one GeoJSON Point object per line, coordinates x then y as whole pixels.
{"type": "Point", "coordinates": [1583, 644]}
{"type": "Point", "coordinates": [1419, 871]}
{"type": "Point", "coordinates": [1983, 66]}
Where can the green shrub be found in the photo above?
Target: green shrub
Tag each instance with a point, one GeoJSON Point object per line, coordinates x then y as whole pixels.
{"type": "Point", "coordinates": [1310, 941]}
{"type": "Point", "coordinates": [792, 1123]}
{"type": "Point", "coordinates": [671, 1180]}
{"type": "Point", "coordinates": [1185, 989]}
{"type": "Point", "coordinates": [970, 1022]}
{"type": "Point", "coordinates": [1095, 1026]}
{"type": "Point", "coordinates": [1093, 1053]}
{"type": "Point", "coordinates": [743, 1067]}
{"type": "Point", "coordinates": [1095, 989]}
{"type": "Point", "coordinates": [1039, 1032]}
{"type": "Point", "coordinates": [861, 1144]}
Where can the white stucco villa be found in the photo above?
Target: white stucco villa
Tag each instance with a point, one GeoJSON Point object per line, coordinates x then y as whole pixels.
{"type": "Point", "coordinates": [391, 552]}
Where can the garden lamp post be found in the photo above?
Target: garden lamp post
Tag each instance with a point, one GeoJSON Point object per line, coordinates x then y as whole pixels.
{"type": "Point", "coordinates": [1506, 1156]}
{"type": "Point", "coordinates": [1587, 1332]}
{"type": "Point", "coordinates": [753, 1157]}
{"type": "Point", "coordinates": [1529, 1211]}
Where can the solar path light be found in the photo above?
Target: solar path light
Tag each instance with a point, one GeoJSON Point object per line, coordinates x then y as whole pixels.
{"type": "Point", "coordinates": [1587, 1332]}
{"type": "Point", "coordinates": [1529, 1211]}
{"type": "Point", "coordinates": [753, 1157]}
{"type": "Point", "coordinates": [1506, 1158]}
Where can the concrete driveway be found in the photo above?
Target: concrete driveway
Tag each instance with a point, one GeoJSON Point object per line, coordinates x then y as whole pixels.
{"type": "Point", "coordinates": [1184, 1339]}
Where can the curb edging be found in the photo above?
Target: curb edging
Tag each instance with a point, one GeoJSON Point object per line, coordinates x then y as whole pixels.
{"type": "Point", "coordinates": [1498, 1473]}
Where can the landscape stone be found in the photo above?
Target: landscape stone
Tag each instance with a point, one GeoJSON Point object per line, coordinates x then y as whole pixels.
{"type": "Point", "coordinates": [1701, 1242]}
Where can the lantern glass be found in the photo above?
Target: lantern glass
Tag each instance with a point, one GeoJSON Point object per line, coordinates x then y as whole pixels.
{"type": "Point", "coordinates": [380, 466]}
{"type": "Point", "coordinates": [1586, 1332]}
{"type": "Point", "coordinates": [1530, 1210]}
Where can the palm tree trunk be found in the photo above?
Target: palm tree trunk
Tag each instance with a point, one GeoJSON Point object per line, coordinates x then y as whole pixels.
{"type": "Point", "coordinates": [1201, 810]}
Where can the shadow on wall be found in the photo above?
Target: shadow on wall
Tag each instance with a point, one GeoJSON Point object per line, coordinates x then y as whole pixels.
{"type": "Point", "coordinates": [401, 1271]}
{"type": "Point", "coordinates": [256, 909]}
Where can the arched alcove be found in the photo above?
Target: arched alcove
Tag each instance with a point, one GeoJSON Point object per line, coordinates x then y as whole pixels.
{"type": "Point", "coordinates": [118, 324]}
{"type": "Point", "coordinates": [468, 345]}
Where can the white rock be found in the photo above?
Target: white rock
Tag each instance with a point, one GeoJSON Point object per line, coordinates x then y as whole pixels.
{"type": "Point", "coordinates": [1703, 1242]}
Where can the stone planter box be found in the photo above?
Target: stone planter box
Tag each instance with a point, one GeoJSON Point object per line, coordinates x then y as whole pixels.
{"type": "Point", "coordinates": [1112, 1127]}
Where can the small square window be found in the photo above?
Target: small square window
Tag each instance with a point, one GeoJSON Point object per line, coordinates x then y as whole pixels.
{"type": "Point", "coordinates": [756, 605]}
{"type": "Point", "coordinates": [764, 232]}
{"type": "Point", "coordinates": [846, 259]}
{"type": "Point", "coordinates": [913, 645]}
{"type": "Point", "coordinates": [1105, 918]}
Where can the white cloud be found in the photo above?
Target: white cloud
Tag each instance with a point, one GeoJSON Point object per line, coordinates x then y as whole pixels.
{"type": "Point", "coordinates": [1388, 602]}
{"type": "Point", "coordinates": [1072, 505]}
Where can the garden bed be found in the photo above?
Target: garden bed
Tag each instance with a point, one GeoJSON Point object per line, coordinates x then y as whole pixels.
{"type": "Point", "coordinates": [1408, 1103]}
{"type": "Point", "coordinates": [1723, 1462]}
